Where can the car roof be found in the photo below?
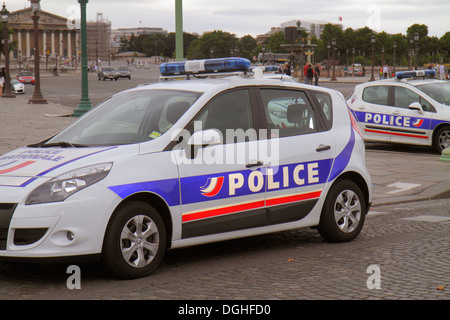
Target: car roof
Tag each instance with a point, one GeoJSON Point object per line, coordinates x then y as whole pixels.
{"type": "Point", "coordinates": [204, 85]}
{"type": "Point", "coordinates": [413, 82]}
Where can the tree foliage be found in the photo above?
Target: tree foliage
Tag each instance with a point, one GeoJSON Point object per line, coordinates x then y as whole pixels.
{"type": "Point", "coordinates": [349, 43]}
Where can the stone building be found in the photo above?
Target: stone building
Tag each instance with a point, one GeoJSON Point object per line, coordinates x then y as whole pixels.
{"type": "Point", "coordinates": [56, 39]}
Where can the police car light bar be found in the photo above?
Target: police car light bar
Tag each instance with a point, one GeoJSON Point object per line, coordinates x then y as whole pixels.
{"type": "Point", "coordinates": [415, 74]}
{"type": "Point", "coordinates": [206, 66]}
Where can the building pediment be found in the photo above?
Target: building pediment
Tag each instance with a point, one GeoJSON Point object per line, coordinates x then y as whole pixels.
{"type": "Point", "coordinates": [46, 19]}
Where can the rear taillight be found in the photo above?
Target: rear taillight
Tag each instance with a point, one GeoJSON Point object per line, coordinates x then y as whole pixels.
{"type": "Point", "coordinates": [354, 122]}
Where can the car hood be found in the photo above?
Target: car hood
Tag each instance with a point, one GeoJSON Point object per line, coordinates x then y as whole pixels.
{"type": "Point", "coordinates": [22, 166]}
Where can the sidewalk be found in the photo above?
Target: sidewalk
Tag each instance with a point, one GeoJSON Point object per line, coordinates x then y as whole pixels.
{"type": "Point", "coordinates": [397, 176]}
{"type": "Point", "coordinates": [22, 123]}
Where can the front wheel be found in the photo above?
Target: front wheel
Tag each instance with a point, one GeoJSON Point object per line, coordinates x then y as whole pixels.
{"type": "Point", "coordinates": [135, 241]}
{"type": "Point", "coordinates": [442, 138]}
{"type": "Point", "coordinates": [343, 213]}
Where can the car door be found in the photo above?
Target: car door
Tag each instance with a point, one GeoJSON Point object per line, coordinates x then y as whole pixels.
{"type": "Point", "coordinates": [372, 112]}
{"type": "Point", "coordinates": [306, 151]}
{"type": "Point", "coordinates": [411, 116]}
{"type": "Point", "coordinates": [222, 184]}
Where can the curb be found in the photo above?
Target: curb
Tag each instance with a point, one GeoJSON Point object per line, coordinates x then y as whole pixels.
{"type": "Point", "coordinates": [440, 190]}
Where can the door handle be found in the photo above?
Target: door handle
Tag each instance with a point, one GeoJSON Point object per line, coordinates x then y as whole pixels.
{"type": "Point", "coordinates": [254, 164]}
{"type": "Point", "coordinates": [323, 147]}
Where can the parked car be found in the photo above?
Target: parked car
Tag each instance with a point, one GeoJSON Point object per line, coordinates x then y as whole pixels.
{"type": "Point", "coordinates": [409, 111]}
{"type": "Point", "coordinates": [181, 163]}
{"type": "Point", "coordinates": [26, 77]}
{"type": "Point", "coordinates": [124, 72]}
{"type": "Point", "coordinates": [17, 87]}
{"type": "Point", "coordinates": [107, 73]}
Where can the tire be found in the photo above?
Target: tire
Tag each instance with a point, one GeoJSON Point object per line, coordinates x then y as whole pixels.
{"type": "Point", "coordinates": [442, 139]}
{"type": "Point", "coordinates": [343, 213]}
{"type": "Point", "coordinates": [135, 241]}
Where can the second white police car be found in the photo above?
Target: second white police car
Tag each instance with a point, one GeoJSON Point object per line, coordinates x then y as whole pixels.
{"type": "Point", "coordinates": [405, 110]}
{"type": "Point", "coordinates": [181, 163]}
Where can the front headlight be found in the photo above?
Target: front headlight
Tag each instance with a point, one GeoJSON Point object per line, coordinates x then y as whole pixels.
{"type": "Point", "coordinates": [65, 185]}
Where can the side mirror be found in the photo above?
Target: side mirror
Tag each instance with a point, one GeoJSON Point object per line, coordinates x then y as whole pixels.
{"type": "Point", "coordinates": [205, 138]}
{"type": "Point", "coordinates": [416, 106]}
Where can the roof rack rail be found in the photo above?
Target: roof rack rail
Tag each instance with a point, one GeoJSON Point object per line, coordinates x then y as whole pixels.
{"type": "Point", "coordinates": [413, 74]}
{"type": "Point", "coordinates": [204, 68]}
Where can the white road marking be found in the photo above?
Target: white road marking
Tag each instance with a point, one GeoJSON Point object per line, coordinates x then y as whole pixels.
{"type": "Point", "coordinates": [402, 186]}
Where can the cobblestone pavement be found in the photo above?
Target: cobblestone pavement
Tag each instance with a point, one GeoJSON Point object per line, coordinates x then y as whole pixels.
{"type": "Point", "coordinates": [412, 255]}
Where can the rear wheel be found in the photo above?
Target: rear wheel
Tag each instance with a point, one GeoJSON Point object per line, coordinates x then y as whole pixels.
{"type": "Point", "coordinates": [442, 140]}
{"type": "Point", "coordinates": [135, 241]}
{"type": "Point", "coordinates": [343, 213]}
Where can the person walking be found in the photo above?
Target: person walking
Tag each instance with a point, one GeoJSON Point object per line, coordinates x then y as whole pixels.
{"type": "Point", "coordinates": [310, 74]}
{"type": "Point", "coordinates": [316, 74]}
{"type": "Point", "coordinates": [442, 72]}
{"type": "Point", "coordinates": [305, 73]}
{"type": "Point", "coordinates": [2, 81]}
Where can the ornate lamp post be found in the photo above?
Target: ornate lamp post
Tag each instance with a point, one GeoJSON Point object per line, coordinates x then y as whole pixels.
{"type": "Point", "coordinates": [37, 97]}
{"type": "Point", "coordinates": [4, 15]}
{"type": "Point", "coordinates": [372, 78]}
{"type": "Point", "coordinates": [395, 48]}
{"type": "Point", "coordinates": [353, 62]}
{"type": "Point", "coordinates": [85, 104]}
{"type": "Point", "coordinates": [328, 64]}
{"type": "Point", "coordinates": [416, 43]}
{"type": "Point", "coordinates": [333, 48]}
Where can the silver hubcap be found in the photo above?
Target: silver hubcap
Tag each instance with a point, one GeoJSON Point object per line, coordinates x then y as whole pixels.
{"type": "Point", "coordinates": [139, 241]}
{"type": "Point", "coordinates": [444, 140]}
{"type": "Point", "coordinates": [347, 211]}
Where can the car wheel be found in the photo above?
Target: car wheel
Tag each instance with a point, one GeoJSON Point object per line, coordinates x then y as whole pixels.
{"type": "Point", "coordinates": [343, 213]}
{"type": "Point", "coordinates": [442, 140]}
{"type": "Point", "coordinates": [135, 241]}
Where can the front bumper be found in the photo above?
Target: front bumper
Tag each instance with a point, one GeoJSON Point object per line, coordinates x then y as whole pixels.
{"type": "Point", "coordinates": [75, 227]}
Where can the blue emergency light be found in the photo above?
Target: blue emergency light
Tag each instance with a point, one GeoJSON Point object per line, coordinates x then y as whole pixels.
{"type": "Point", "coordinates": [415, 74]}
{"type": "Point", "coordinates": [204, 66]}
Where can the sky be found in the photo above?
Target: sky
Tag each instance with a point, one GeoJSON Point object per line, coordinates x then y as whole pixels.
{"type": "Point", "coordinates": [254, 17]}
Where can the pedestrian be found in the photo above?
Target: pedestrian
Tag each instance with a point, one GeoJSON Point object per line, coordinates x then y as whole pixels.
{"type": "Point", "coordinates": [2, 81]}
{"type": "Point", "coordinates": [310, 74]}
{"type": "Point", "coordinates": [305, 73]}
{"type": "Point", "coordinates": [385, 71]}
{"type": "Point", "coordinates": [316, 74]}
{"type": "Point", "coordinates": [442, 72]}
{"type": "Point", "coordinates": [287, 71]}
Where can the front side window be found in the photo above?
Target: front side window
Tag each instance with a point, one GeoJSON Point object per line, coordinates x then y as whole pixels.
{"type": "Point", "coordinates": [376, 95]}
{"type": "Point", "coordinates": [228, 113]}
{"type": "Point", "coordinates": [130, 117]}
{"type": "Point", "coordinates": [288, 111]}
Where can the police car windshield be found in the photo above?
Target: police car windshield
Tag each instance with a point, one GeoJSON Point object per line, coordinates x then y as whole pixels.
{"type": "Point", "coordinates": [130, 117]}
{"type": "Point", "coordinates": [439, 91]}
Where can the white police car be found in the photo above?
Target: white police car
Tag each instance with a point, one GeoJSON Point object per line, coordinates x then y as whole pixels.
{"type": "Point", "coordinates": [413, 111]}
{"type": "Point", "coordinates": [181, 163]}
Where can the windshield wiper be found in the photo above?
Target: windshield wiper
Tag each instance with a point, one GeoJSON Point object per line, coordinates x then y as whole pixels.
{"type": "Point", "coordinates": [63, 144]}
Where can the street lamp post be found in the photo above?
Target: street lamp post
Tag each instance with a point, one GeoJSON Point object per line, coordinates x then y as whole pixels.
{"type": "Point", "coordinates": [85, 104]}
{"type": "Point", "coordinates": [333, 45]}
{"type": "Point", "coordinates": [353, 62]}
{"type": "Point", "coordinates": [416, 43]}
{"type": "Point", "coordinates": [411, 42]}
{"type": "Point", "coordinates": [395, 47]}
{"type": "Point", "coordinates": [4, 14]}
{"type": "Point", "coordinates": [37, 97]}
{"type": "Point", "coordinates": [372, 40]}
{"type": "Point", "coordinates": [328, 64]}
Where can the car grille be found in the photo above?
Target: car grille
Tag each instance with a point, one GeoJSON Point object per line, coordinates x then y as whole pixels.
{"type": "Point", "coordinates": [6, 213]}
{"type": "Point", "coordinates": [22, 237]}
